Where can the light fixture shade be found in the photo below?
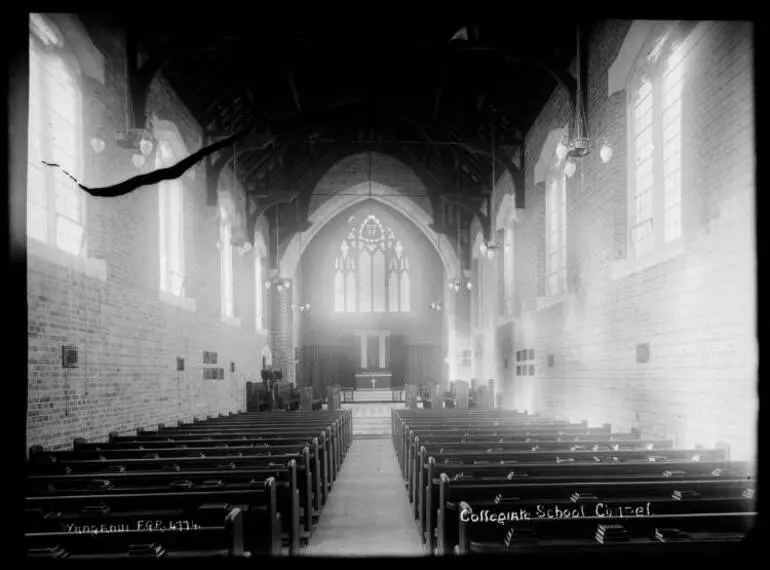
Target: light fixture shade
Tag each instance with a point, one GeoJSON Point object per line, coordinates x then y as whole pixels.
{"type": "Point", "coordinates": [279, 287]}
{"type": "Point", "coordinates": [490, 254]}
{"type": "Point", "coordinates": [98, 145]}
{"type": "Point", "coordinates": [145, 145]}
{"type": "Point", "coordinates": [483, 248]}
{"type": "Point", "coordinates": [138, 160]}
{"type": "Point", "coordinates": [605, 153]}
{"type": "Point", "coordinates": [468, 285]}
{"type": "Point", "coordinates": [267, 284]}
{"type": "Point", "coordinates": [451, 285]}
{"type": "Point", "coordinates": [561, 151]}
{"type": "Point", "coordinates": [287, 284]}
{"type": "Point", "coordinates": [569, 168]}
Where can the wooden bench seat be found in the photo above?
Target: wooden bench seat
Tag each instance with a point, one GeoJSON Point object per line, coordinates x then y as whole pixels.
{"type": "Point", "coordinates": [48, 518]}
{"type": "Point", "coordinates": [698, 521]}
{"type": "Point", "coordinates": [454, 492]}
{"type": "Point", "coordinates": [586, 458]}
{"type": "Point", "coordinates": [159, 482]}
{"type": "Point", "coordinates": [270, 436]}
{"type": "Point", "coordinates": [115, 461]}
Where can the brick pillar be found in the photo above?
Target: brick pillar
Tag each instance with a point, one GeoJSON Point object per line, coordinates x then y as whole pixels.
{"type": "Point", "coordinates": [282, 332]}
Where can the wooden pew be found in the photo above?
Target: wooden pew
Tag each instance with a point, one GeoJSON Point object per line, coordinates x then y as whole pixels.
{"type": "Point", "coordinates": [663, 526]}
{"type": "Point", "coordinates": [575, 433]}
{"type": "Point", "coordinates": [42, 462]}
{"type": "Point", "coordinates": [414, 441]}
{"type": "Point", "coordinates": [49, 517]}
{"type": "Point", "coordinates": [243, 444]}
{"type": "Point", "coordinates": [588, 491]}
{"type": "Point", "coordinates": [340, 422]}
{"type": "Point", "coordinates": [128, 540]}
{"type": "Point", "coordinates": [294, 500]}
{"type": "Point", "coordinates": [534, 451]}
{"type": "Point", "coordinates": [269, 435]}
{"type": "Point", "coordinates": [637, 469]}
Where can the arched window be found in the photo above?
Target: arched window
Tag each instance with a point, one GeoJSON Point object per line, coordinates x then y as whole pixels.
{"type": "Point", "coordinates": [259, 320]}
{"type": "Point", "coordinates": [655, 141]}
{"type": "Point", "coordinates": [556, 232]}
{"type": "Point", "coordinates": [171, 217]}
{"type": "Point", "coordinates": [371, 273]}
{"type": "Point", "coordinates": [55, 205]}
{"type": "Point", "coordinates": [226, 263]}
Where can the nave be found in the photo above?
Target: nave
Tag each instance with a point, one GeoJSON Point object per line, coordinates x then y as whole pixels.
{"type": "Point", "coordinates": [447, 482]}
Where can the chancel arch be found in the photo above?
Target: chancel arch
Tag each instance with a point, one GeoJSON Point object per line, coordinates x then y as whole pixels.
{"type": "Point", "coordinates": [355, 195]}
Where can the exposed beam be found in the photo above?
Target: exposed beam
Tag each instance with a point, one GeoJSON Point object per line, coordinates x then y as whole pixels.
{"type": "Point", "coordinates": [292, 85]}
{"type": "Point", "coordinates": [139, 79]}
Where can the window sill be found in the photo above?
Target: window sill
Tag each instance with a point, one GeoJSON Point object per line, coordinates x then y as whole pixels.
{"type": "Point", "coordinates": [546, 302]}
{"type": "Point", "coordinates": [623, 268]}
{"type": "Point", "coordinates": [232, 321]}
{"type": "Point", "coordinates": [96, 268]}
{"type": "Point", "coordinates": [183, 302]}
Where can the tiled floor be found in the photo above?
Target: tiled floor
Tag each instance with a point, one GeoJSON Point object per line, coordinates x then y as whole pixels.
{"type": "Point", "coordinates": [368, 511]}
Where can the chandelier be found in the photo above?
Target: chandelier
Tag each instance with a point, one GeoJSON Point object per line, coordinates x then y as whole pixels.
{"type": "Point", "coordinates": [457, 284]}
{"type": "Point", "coordinates": [579, 143]}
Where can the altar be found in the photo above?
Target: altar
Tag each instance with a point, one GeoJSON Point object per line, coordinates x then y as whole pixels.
{"type": "Point", "coordinates": [373, 379]}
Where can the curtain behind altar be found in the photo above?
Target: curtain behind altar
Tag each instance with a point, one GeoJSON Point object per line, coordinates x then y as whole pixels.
{"type": "Point", "coordinates": [423, 364]}
{"type": "Point", "coordinates": [322, 366]}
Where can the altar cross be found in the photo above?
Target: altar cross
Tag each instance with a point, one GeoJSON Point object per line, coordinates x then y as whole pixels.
{"type": "Point", "coordinates": [374, 383]}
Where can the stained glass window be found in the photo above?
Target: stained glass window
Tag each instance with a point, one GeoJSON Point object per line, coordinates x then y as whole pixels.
{"type": "Point", "coordinates": [371, 272]}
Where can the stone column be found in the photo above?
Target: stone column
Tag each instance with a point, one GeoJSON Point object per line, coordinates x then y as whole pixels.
{"type": "Point", "coordinates": [364, 363]}
{"type": "Point", "coordinates": [382, 350]}
{"type": "Point", "coordinates": [461, 394]}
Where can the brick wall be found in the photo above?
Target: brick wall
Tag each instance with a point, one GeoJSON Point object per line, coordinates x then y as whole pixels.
{"type": "Point", "coordinates": [696, 310]}
{"type": "Point", "coordinates": [128, 338]}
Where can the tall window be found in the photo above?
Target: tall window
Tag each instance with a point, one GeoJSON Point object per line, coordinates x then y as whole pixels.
{"type": "Point", "coordinates": [55, 205]}
{"type": "Point", "coordinates": [556, 234]}
{"type": "Point", "coordinates": [508, 260]}
{"type": "Point", "coordinates": [259, 294]}
{"type": "Point", "coordinates": [171, 216]}
{"type": "Point", "coordinates": [226, 263]}
{"type": "Point", "coordinates": [371, 273]}
{"type": "Point", "coordinates": [476, 307]}
{"type": "Point", "coordinates": [655, 124]}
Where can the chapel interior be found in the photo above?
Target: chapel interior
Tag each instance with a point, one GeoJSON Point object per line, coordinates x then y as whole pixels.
{"type": "Point", "coordinates": [420, 287]}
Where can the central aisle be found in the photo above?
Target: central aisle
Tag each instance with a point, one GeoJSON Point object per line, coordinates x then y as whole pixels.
{"type": "Point", "coordinates": [368, 511]}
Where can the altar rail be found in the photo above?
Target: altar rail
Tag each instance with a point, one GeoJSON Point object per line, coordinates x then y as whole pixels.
{"type": "Point", "coordinates": [349, 395]}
